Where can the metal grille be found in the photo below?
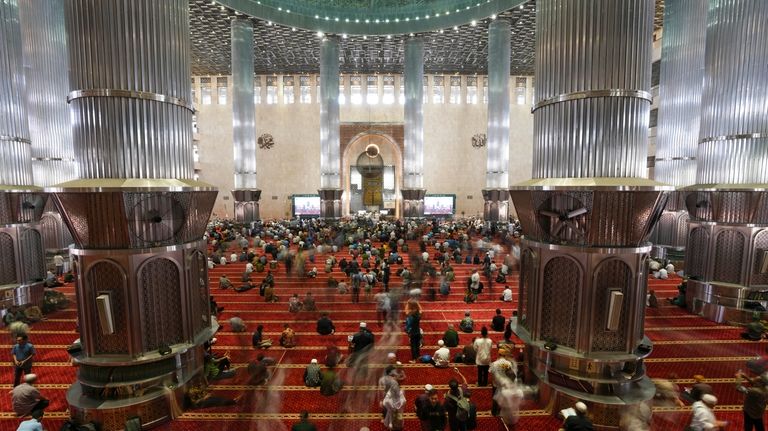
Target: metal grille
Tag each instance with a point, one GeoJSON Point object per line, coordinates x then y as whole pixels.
{"type": "Point", "coordinates": [560, 297]}
{"type": "Point", "coordinates": [760, 246]}
{"type": "Point", "coordinates": [613, 275]}
{"type": "Point", "coordinates": [665, 229]}
{"type": "Point", "coordinates": [527, 284]}
{"type": "Point", "coordinates": [161, 320]}
{"type": "Point", "coordinates": [7, 260]}
{"type": "Point", "coordinates": [198, 287]}
{"type": "Point", "coordinates": [682, 229]}
{"type": "Point", "coordinates": [108, 277]}
{"type": "Point", "coordinates": [697, 253]}
{"type": "Point", "coordinates": [729, 252]}
{"type": "Point", "coordinates": [51, 226]}
{"type": "Point", "coordinates": [32, 255]}
{"type": "Point", "coordinates": [155, 218]}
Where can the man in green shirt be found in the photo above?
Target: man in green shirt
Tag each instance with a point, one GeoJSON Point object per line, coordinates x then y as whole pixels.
{"type": "Point", "coordinates": [304, 424]}
{"type": "Point", "coordinates": [451, 337]}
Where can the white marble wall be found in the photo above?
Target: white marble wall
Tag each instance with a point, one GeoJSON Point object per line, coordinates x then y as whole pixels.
{"type": "Point", "coordinates": [292, 166]}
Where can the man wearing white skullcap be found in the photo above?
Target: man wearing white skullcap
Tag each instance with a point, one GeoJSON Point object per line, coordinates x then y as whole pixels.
{"type": "Point", "coordinates": [703, 417]}
{"type": "Point", "coordinates": [579, 421]}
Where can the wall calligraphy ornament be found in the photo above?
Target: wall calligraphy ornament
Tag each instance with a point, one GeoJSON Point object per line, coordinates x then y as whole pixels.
{"type": "Point", "coordinates": [266, 141]}
{"type": "Point", "coordinates": [479, 140]}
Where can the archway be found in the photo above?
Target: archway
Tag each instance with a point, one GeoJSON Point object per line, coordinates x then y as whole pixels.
{"type": "Point", "coordinates": [372, 169]}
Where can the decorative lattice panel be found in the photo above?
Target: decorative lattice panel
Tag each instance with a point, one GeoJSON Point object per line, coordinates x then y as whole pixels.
{"type": "Point", "coordinates": [729, 254]}
{"type": "Point", "coordinates": [613, 275]}
{"type": "Point", "coordinates": [161, 320]}
{"type": "Point", "coordinates": [697, 252]}
{"type": "Point", "coordinates": [108, 278]}
{"type": "Point", "coordinates": [665, 229]}
{"type": "Point", "coordinates": [527, 284]}
{"type": "Point", "coordinates": [198, 280]}
{"type": "Point", "coordinates": [32, 255]}
{"type": "Point", "coordinates": [682, 228]}
{"type": "Point", "coordinates": [760, 246]}
{"type": "Point", "coordinates": [7, 260]}
{"type": "Point", "coordinates": [51, 229]}
{"type": "Point", "coordinates": [560, 297]}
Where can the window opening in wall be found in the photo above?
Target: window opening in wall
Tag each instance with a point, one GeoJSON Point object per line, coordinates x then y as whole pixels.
{"type": "Point", "coordinates": [317, 89]}
{"type": "Point", "coordinates": [257, 90]}
{"type": "Point", "coordinates": [533, 87]}
{"type": "Point", "coordinates": [194, 124]}
{"type": "Point", "coordinates": [372, 89]}
{"type": "Point", "coordinates": [356, 87]}
{"type": "Point", "coordinates": [196, 177]}
{"type": "Point", "coordinates": [305, 95]}
{"type": "Point", "coordinates": [471, 90]}
{"type": "Point", "coordinates": [271, 90]}
{"type": "Point", "coordinates": [401, 92]}
{"type": "Point", "coordinates": [195, 153]}
{"type": "Point", "coordinates": [521, 87]}
{"type": "Point", "coordinates": [455, 97]}
{"type": "Point", "coordinates": [342, 96]}
{"type": "Point", "coordinates": [221, 90]}
{"type": "Point", "coordinates": [485, 89]}
{"type": "Point", "coordinates": [438, 89]}
{"type": "Point", "coordinates": [194, 92]}
{"type": "Point", "coordinates": [425, 90]}
{"type": "Point", "coordinates": [388, 96]}
{"type": "Point", "coordinates": [205, 90]}
{"type": "Point", "coordinates": [288, 90]}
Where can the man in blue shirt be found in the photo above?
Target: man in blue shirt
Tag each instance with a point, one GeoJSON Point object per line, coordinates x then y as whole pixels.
{"type": "Point", "coordinates": [32, 424]}
{"type": "Point", "coordinates": [22, 354]}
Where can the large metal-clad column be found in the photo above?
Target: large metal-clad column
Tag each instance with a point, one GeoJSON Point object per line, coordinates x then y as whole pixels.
{"type": "Point", "coordinates": [22, 263]}
{"type": "Point", "coordinates": [680, 89]}
{"type": "Point", "coordinates": [46, 68]}
{"type": "Point", "coordinates": [413, 191]}
{"type": "Point", "coordinates": [246, 193]}
{"type": "Point", "coordinates": [588, 213]}
{"type": "Point", "coordinates": [727, 249]}
{"type": "Point", "coordinates": [136, 217]}
{"type": "Point", "coordinates": [496, 193]}
{"type": "Point", "coordinates": [330, 162]}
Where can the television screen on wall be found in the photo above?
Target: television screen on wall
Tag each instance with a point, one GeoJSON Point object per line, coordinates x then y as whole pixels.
{"type": "Point", "coordinates": [439, 205]}
{"type": "Point", "coordinates": [306, 205]}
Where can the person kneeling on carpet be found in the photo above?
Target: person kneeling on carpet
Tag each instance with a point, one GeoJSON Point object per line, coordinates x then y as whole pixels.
{"type": "Point", "coordinates": [312, 374]}
{"type": "Point", "coordinates": [288, 337]}
{"type": "Point", "coordinates": [258, 341]}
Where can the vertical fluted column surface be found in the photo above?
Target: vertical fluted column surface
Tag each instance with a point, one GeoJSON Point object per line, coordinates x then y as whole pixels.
{"type": "Point", "coordinates": [330, 162]}
{"type": "Point", "coordinates": [46, 68]}
{"type": "Point", "coordinates": [680, 89]}
{"type": "Point", "coordinates": [131, 92]}
{"type": "Point", "coordinates": [593, 77]}
{"type": "Point", "coordinates": [243, 109]}
{"type": "Point", "coordinates": [15, 152]}
{"type": "Point", "coordinates": [499, 51]}
{"type": "Point", "coordinates": [733, 142]}
{"type": "Point", "coordinates": [414, 113]}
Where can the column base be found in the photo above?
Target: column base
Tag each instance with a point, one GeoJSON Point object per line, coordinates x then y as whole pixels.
{"type": "Point", "coordinates": [413, 202]}
{"type": "Point", "coordinates": [330, 203]}
{"type": "Point", "coordinates": [496, 208]}
{"type": "Point", "coordinates": [246, 205]}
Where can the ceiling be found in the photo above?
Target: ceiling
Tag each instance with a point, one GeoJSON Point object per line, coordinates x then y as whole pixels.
{"type": "Point", "coordinates": [281, 49]}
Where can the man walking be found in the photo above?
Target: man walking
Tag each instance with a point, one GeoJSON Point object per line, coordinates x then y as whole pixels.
{"type": "Point", "coordinates": [22, 353]}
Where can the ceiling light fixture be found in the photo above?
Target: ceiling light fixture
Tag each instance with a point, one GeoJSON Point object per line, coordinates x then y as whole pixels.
{"type": "Point", "coordinates": [493, 16]}
{"type": "Point", "coordinates": [344, 36]}
{"type": "Point", "coordinates": [389, 36]}
{"type": "Point", "coordinates": [336, 19]}
{"type": "Point", "coordinates": [365, 37]}
{"type": "Point", "coordinates": [317, 16]}
{"type": "Point", "coordinates": [473, 23]}
{"type": "Point", "coordinates": [397, 19]}
{"type": "Point", "coordinates": [293, 28]}
{"type": "Point", "coordinates": [320, 34]}
{"type": "Point", "coordinates": [357, 19]}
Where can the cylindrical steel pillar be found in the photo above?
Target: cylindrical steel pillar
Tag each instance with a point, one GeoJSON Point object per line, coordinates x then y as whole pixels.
{"type": "Point", "coordinates": [246, 193]}
{"type": "Point", "coordinates": [728, 207]}
{"type": "Point", "coordinates": [46, 69]}
{"type": "Point", "coordinates": [413, 163]}
{"type": "Point", "coordinates": [680, 89]}
{"type": "Point", "coordinates": [22, 263]}
{"type": "Point", "coordinates": [496, 193]}
{"type": "Point", "coordinates": [330, 162]}
{"type": "Point", "coordinates": [589, 211]}
{"type": "Point", "coordinates": [142, 290]}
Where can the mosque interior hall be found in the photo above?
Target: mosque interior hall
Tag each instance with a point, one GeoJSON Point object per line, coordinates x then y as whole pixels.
{"type": "Point", "coordinates": [370, 215]}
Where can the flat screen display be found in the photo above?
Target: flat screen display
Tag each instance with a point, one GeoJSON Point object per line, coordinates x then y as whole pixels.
{"type": "Point", "coordinates": [438, 205]}
{"type": "Point", "coordinates": [306, 205]}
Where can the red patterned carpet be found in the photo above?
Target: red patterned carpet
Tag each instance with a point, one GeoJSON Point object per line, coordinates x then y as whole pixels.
{"type": "Point", "coordinates": [684, 345]}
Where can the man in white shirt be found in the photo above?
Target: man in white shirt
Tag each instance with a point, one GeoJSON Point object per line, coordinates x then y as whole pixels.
{"type": "Point", "coordinates": [442, 356]}
{"type": "Point", "coordinates": [703, 418]}
{"type": "Point", "coordinates": [507, 295]}
{"type": "Point", "coordinates": [58, 261]}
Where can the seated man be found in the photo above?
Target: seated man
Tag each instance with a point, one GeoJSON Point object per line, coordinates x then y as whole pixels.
{"type": "Point", "coordinates": [507, 295]}
{"type": "Point", "coordinates": [294, 304]}
{"type": "Point", "coordinates": [325, 325]}
{"type": "Point", "coordinates": [25, 398]}
{"type": "Point", "coordinates": [259, 370]}
{"type": "Point", "coordinates": [467, 324]}
{"type": "Point", "coordinates": [245, 287]}
{"type": "Point", "coordinates": [312, 374]}
{"type": "Point", "coordinates": [218, 368]}
{"type": "Point", "coordinates": [497, 323]}
{"type": "Point", "coordinates": [309, 302]}
{"type": "Point", "coordinates": [224, 282]}
{"type": "Point", "coordinates": [287, 337]}
{"type": "Point", "coordinates": [269, 294]}
{"type": "Point", "coordinates": [451, 337]}
{"type": "Point", "coordinates": [442, 356]}
{"type": "Point", "coordinates": [237, 324]}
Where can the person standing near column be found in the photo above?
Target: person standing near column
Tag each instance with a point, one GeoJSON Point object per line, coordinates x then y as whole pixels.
{"type": "Point", "coordinates": [22, 354]}
{"type": "Point", "coordinates": [483, 356]}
